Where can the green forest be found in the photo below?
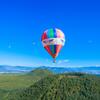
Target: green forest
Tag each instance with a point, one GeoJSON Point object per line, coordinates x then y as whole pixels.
{"type": "Point", "coordinates": [42, 84]}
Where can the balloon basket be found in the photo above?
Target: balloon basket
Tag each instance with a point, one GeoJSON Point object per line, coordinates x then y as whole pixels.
{"type": "Point", "coordinates": [54, 60]}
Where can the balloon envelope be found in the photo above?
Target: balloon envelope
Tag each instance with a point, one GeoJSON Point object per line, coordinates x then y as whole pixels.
{"type": "Point", "coordinates": [53, 40]}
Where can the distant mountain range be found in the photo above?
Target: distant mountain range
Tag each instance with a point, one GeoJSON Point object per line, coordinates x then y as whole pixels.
{"type": "Point", "coordinates": [14, 69]}
{"type": "Point", "coordinates": [20, 69]}
{"type": "Point", "coordinates": [90, 69]}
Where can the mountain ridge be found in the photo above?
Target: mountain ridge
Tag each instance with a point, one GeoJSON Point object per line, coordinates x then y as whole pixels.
{"type": "Point", "coordinates": [24, 69]}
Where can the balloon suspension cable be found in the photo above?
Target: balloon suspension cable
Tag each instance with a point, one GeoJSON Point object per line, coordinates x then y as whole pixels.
{"type": "Point", "coordinates": [54, 60]}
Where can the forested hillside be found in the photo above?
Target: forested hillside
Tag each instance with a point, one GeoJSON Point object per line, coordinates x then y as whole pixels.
{"type": "Point", "coordinates": [72, 86]}
{"type": "Point", "coordinates": [10, 83]}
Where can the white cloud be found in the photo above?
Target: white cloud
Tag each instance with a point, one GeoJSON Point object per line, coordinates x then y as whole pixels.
{"type": "Point", "coordinates": [33, 43]}
{"type": "Point", "coordinates": [66, 60]}
{"type": "Point", "coordinates": [9, 46]}
{"type": "Point", "coordinates": [97, 65]}
{"type": "Point", "coordinates": [59, 62]}
{"type": "Point", "coordinates": [90, 41]}
{"type": "Point", "coordinates": [63, 61]}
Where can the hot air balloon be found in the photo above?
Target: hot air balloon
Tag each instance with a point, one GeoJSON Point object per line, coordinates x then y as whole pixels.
{"type": "Point", "coordinates": [53, 40]}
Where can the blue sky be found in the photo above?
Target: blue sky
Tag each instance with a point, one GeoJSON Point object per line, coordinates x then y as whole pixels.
{"type": "Point", "coordinates": [22, 23]}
